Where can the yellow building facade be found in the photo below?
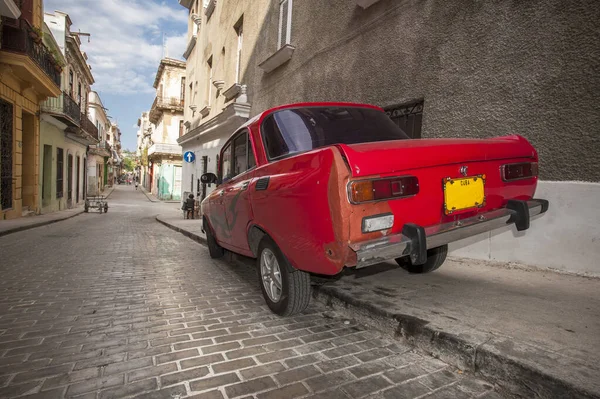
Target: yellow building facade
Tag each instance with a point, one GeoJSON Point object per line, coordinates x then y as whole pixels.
{"type": "Point", "coordinates": [28, 75]}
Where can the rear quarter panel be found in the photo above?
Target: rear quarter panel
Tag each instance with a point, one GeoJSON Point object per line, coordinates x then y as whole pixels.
{"type": "Point", "coordinates": [300, 209]}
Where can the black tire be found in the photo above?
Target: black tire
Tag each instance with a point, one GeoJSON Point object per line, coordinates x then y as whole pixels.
{"type": "Point", "coordinates": [214, 249]}
{"type": "Point", "coordinates": [295, 284]}
{"type": "Point", "coordinates": [435, 259]}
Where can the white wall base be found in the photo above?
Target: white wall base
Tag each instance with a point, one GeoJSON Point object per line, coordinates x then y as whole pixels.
{"type": "Point", "coordinates": [566, 238]}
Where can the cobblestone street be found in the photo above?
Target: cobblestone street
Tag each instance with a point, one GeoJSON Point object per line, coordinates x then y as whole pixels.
{"type": "Point", "coordinates": [125, 307]}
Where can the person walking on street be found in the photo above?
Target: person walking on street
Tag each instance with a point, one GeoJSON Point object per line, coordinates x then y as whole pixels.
{"type": "Point", "coordinates": [189, 207]}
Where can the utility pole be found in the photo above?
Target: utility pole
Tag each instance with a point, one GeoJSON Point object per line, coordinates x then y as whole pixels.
{"type": "Point", "coordinates": [80, 33]}
{"type": "Point", "coordinates": [165, 49]}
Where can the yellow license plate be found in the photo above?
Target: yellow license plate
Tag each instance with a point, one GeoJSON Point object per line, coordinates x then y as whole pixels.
{"type": "Point", "coordinates": [463, 193]}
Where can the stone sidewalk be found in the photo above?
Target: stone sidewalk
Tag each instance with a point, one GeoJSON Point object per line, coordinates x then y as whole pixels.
{"type": "Point", "coordinates": [30, 222]}
{"type": "Point", "coordinates": [536, 333]}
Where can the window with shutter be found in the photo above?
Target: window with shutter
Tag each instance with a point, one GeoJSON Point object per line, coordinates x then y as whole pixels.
{"type": "Point", "coordinates": [285, 23]}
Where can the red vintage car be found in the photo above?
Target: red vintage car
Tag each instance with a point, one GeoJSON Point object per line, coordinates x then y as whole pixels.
{"type": "Point", "coordinates": [314, 188]}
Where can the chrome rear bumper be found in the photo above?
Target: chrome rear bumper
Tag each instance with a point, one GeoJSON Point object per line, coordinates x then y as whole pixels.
{"type": "Point", "coordinates": [414, 240]}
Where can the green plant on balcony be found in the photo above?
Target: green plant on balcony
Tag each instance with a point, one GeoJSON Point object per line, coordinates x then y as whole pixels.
{"type": "Point", "coordinates": [59, 64]}
{"type": "Point", "coordinates": [36, 34]}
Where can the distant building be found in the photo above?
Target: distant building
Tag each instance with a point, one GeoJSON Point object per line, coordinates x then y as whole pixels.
{"type": "Point", "coordinates": [99, 154]}
{"type": "Point", "coordinates": [143, 142]}
{"type": "Point", "coordinates": [115, 162]}
{"type": "Point", "coordinates": [166, 117]}
{"type": "Point", "coordinates": [66, 130]}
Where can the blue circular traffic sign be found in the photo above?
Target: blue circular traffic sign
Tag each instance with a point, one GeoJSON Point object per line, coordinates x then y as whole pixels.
{"type": "Point", "coordinates": [189, 156]}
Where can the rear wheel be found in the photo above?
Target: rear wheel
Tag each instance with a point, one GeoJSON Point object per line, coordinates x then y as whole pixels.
{"type": "Point", "coordinates": [214, 249]}
{"type": "Point", "coordinates": [435, 259]}
{"type": "Point", "coordinates": [286, 290]}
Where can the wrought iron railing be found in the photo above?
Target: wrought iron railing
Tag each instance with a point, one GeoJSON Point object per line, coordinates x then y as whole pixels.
{"type": "Point", "coordinates": [161, 103]}
{"type": "Point", "coordinates": [65, 105]}
{"type": "Point", "coordinates": [105, 145]}
{"type": "Point", "coordinates": [88, 126]}
{"type": "Point", "coordinates": [174, 102]}
{"type": "Point", "coordinates": [21, 40]}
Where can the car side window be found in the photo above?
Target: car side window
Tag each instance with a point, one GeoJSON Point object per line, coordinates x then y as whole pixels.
{"type": "Point", "coordinates": [240, 152]}
{"type": "Point", "coordinates": [238, 157]}
{"type": "Point", "coordinates": [251, 159]}
{"type": "Point", "coordinates": [226, 164]}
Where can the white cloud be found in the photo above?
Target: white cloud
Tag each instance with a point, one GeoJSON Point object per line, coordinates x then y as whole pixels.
{"type": "Point", "coordinates": [176, 45]}
{"type": "Point", "coordinates": [126, 39]}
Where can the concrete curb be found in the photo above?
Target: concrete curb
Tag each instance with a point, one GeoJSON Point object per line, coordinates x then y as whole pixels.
{"type": "Point", "coordinates": [186, 233]}
{"type": "Point", "coordinates": [489, 359]}
{"type": "Point", "coordinates": [510, 372]}
{"type": "Point", "coordinates": [147, 196]}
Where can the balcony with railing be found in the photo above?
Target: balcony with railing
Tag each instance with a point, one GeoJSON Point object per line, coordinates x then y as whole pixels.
{"type": "Point", "coordinates": [63, 108]}
{"type": "Point", "coordinates": [105, 145]}
{"type": "Point", "coordinates": [88, 126]}
{"type": "Point", "coordinates": [162, 103]}
{"type": "Point", "coordinates": [20, 39]}
{"type": "Point", "coordinates": [164, 149]}
{"type": "Point", "coordinates": [102, 149]}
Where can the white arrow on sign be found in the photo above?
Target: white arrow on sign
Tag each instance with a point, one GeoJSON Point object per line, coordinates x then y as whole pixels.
{"type": "Point", "coordinates": [189, 157]}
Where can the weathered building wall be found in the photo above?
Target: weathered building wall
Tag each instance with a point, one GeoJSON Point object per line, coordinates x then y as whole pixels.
{"type": "Point", "coordinates": [565, 238]}
{"type": "Point", "coordinates": [98, 115]}
{"type": "Point", "coordinates": [171, 82]}
{"type": "Point", "coordinates": [482, 68]}
{"type": "Point", "coordinates": [54, 137]}
{"type": "Point", "coordinates": [57, 24]}
{"type": "Point", "coordinates": [217, 43]}
{"type": "Point", "coordinates": [25, 146]}
{"type": "Point", "coordinates": [167, 128]}
{"type": "Point", "coordinates": [95, 177]}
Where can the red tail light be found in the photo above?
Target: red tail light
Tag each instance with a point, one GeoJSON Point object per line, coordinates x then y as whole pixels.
{"type": "Point", "coordinates": [519, 171]}
{"type": "Point", "coordinates": [381, 189]}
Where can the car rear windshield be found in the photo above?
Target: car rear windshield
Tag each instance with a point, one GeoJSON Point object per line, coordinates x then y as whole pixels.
{"type": "Point", "coordinates": [296, 130]}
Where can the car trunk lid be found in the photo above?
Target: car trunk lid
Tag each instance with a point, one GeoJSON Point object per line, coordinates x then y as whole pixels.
{"type": "Point", "coordinates": [390, 157]}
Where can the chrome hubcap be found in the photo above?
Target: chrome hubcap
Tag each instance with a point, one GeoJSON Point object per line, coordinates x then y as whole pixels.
{"type": "Point", "coordinates": [270, 274]}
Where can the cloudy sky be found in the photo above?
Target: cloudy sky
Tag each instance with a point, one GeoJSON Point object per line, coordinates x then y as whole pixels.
{"type": "Point", "coordinates": [125, 48]}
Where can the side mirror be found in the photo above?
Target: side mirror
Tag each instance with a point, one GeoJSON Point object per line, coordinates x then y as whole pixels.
{"type": "Point", "coordinates": [209, 178]}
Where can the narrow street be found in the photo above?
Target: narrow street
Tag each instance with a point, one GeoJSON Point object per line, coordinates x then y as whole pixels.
{"type": "Point", "coordinates": [127, 307]}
